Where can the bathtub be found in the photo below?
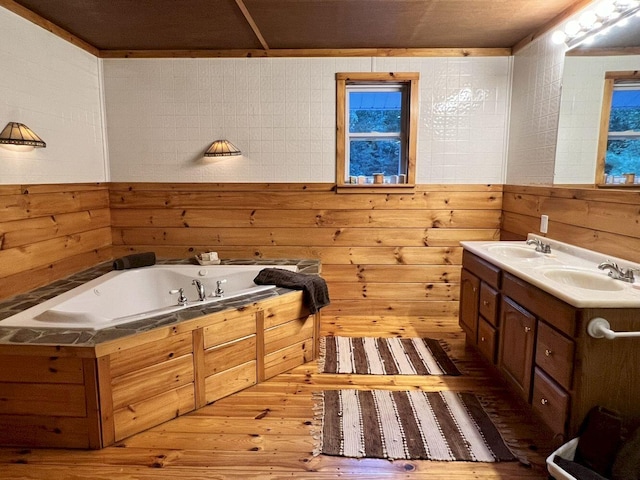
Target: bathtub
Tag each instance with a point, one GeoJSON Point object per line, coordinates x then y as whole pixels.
{"type": "Point", "coordinates": [124, 296]}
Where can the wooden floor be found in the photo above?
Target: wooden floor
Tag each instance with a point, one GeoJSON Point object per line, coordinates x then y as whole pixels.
{"type": "Point", "coordinates": [265, 431]}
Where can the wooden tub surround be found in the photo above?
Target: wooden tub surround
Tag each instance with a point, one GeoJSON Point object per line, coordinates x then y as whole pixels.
{"type": "Point", "coordinates": [85, 389]}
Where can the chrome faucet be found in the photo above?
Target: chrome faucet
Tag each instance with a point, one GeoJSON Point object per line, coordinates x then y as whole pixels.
{"type": "Point", "coordinates": [202, 295]}
{"type": "Point", "coordinates": [540, 246]}
{"type": "Point", "coordinates": [618, 273]}
{"type": "Point", "coordinates": [219, 289]}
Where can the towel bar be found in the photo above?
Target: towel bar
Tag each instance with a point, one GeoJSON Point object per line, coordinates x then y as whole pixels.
{"type": "Point", "coordinates": [600, 328]}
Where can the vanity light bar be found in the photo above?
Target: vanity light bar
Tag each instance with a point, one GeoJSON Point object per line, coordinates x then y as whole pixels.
{"type": "Point", "coordinates": [597, 21]}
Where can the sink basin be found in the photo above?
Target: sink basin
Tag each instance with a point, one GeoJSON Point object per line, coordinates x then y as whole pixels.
{"type": "Point", "coordinates": [584, 279]}
{"type": "Point", "coordinates": [514, 251]}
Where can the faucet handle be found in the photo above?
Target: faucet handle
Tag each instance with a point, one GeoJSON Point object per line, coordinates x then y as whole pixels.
{"type": "Point", "coordinates": [219, 289]}
{"type": "Point", "coordinates": [627, 273]}
{"type": "Point", "coordinates": [182, 300]}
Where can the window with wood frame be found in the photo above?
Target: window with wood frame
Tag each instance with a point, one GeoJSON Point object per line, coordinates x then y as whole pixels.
{"type": "Point", "coordinates": [377, 123]}
{"type": "Point", "coordinates": [619, 141]}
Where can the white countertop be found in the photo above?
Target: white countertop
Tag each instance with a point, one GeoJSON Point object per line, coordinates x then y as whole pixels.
{"type": "Point", "coordinates": [569, 273]}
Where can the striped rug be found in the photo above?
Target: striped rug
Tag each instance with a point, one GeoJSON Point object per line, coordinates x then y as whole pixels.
{"type": "Point", "coordinates": [384, 356]}
{"type": "Point", "coordinates": [413, 424]}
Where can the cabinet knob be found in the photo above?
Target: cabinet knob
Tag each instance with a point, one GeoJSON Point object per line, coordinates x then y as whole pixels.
{"type": "Point", "coordinates": [475, 289]}
{"type": "Point", "coordinates": [527, 329]}
{"type": "Point", "coordinates": [485, 303]}
{"type": "Point", "coordinates": [548, 352]}
{"type": "Point", "coordinates": [482, 339]}
{"type": "Point", "coordinates": [544, 401]}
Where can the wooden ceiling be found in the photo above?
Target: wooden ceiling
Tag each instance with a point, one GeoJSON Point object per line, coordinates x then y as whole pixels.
{"type": "Point", "coordinates": [112, 28]}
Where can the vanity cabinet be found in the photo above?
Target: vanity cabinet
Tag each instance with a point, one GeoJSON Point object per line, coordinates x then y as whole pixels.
{"type": "Point", "coordinates": [544, 351]}
{"type": "Point", "coordinates": [527, 333]}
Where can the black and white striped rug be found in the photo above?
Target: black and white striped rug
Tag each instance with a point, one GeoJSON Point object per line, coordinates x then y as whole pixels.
{"type": "Point", "coordinates": [384, 356]}
{"type": "Point", "coordinates": [445, 426]}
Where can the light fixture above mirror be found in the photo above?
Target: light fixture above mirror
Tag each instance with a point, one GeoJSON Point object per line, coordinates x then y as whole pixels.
{"type": "Point", "coordinates": [599, 20]}
{"type": "Point", "coordinates": [20, 138]}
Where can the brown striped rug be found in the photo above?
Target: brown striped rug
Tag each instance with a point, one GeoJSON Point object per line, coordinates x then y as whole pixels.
{"type": "Point", "coordinates": [384, 356]}
{"type": "Point", "coordinates": [413, 424]}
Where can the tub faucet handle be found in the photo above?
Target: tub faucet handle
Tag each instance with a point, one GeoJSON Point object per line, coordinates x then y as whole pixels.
{"type": "Point", "coordinates": [182, 300]}
{"type": "Point", "coordinates": [219, 289]}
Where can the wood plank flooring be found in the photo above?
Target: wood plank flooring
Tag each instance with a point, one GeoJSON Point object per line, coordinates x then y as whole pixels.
{"type": "Point", "coordinates": [265, 431]}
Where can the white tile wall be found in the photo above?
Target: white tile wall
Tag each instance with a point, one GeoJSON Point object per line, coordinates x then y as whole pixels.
{"type": "Point", "coordinates": [162, 114]}
{"type": "Point", "coordinates": [535, 104]}
{"type": "Point", "coordinates": [54, 88]}
{"type": "Point", "coordinates": [578, 130]}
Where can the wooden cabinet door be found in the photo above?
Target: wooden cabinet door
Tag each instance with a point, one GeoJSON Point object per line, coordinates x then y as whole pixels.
{"type": "Point", "coordinates": [469, 296]}
{"type": "Point", "coordinates": [517, 341]}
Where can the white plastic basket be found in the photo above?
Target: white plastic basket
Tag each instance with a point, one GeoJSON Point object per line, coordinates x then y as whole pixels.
{"type": "Point", "coordinates": [566, 451]}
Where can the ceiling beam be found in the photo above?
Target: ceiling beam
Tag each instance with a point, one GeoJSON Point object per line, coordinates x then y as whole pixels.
{"type": "Point", "coordinates": [300, 52]}
{"type": "Point", "coordinates": [252, 24]}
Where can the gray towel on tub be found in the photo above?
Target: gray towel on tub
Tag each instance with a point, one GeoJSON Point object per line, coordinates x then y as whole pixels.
{"type": "Point", "coordinates": [314, 288]}
{"type": "Point", "coordinates": [135, 260]}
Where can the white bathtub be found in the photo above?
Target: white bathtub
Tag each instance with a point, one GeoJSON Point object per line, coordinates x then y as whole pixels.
{"type": "Point", "coordinates": [124, 296]}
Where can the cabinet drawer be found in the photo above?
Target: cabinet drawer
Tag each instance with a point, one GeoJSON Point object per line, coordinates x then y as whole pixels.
{"type": "Point", "coordinates": [550, 402]}
{"type": "Point", "coordinates": [540, 303]}
{"type": "Point", "coordinates": [554, 354]}
{"type": "Point", "coordinates": [482, 269]}
{"type": "Point", "coordinates": [487, 336]}
{"type": "Point", "coordinates": [489, 304]}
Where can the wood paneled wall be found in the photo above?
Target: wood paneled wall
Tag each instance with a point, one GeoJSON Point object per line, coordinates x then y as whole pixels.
{"type": "Point", "coordinates": [382, 254]}
{"type": "Point", "coordinates": [50, 231]}
{"type": "Point", "coordinates": [607, 221]}
{"type": "Point", "coordinates": [393, 254]}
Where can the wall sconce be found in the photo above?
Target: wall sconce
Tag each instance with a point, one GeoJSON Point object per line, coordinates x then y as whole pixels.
{"type": "Point", "coordinates": [20, 138]}
{"type": "Point", "coordinates": [222, 148]}
{"type": "Point", "coordinates": [598, 21]}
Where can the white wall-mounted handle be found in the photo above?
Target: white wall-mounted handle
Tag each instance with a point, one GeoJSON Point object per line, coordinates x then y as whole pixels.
{"type": "Point", "coordinates": [600, 328]}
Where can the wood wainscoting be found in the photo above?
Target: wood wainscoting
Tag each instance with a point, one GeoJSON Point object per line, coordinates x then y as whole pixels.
{"type": "Point", "coordinates": [382, 254]}
{"type": "Point", "coordinates": [606, 221]}
{"type": "Point", "coordinates": [48, 232]}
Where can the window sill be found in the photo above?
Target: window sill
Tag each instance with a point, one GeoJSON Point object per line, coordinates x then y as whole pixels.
{"type": "Point", "coordinates": [376, 188]}
{"type": "Point", "coordinates": [619, 185]}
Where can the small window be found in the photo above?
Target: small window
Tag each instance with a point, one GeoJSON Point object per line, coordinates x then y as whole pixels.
{"type": "Point", "coordinates": [619, 146]}
{"type": "Point", "coordinates": [376, 125]}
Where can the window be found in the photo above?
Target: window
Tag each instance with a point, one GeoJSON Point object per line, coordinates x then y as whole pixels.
{"type": "Point", "coordinates": [619, 144]}
{"type": "Point", "coordinates": [376, 129]}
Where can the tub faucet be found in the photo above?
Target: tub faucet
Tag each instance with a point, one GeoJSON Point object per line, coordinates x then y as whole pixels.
{"type": "Point", "coordinates": [219, 289]}
{"type": "Point", "coordinates": [540, 246]}
{"type": "Point", "coordinates": [618, 273]}
{"type": "Point", "coordinates": [202, 295]}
